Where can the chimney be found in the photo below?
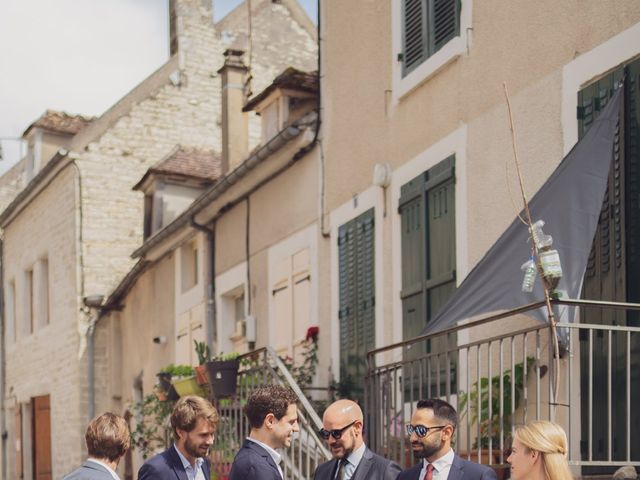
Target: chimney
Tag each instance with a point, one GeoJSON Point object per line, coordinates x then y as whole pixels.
{"type": "Point", "coordinates": [234, 121]}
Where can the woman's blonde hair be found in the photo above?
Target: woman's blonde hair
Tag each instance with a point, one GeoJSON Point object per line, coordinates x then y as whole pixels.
{"type": "Point", "coordinates": [550, 441]}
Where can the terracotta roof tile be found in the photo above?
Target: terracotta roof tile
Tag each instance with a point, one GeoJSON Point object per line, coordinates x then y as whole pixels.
{"type": "Point", "coordinates": [60, 122]}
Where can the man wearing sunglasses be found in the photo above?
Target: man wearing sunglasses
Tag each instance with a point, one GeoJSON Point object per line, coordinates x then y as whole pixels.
{"type": "Point", "coordinates": [352, 460]}
{"type": "Point", "coordinates": [430, 432]}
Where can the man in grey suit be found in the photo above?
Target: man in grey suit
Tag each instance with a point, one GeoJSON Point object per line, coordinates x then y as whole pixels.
{"type": "Point", "coordinates": [352, 460]}
{"type": "Point", "coordinates": [107, 439]}
{"type": "Point", "coordinates": [430, 431]}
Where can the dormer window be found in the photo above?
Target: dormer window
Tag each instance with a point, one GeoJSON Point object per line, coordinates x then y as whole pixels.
{"type": "Point", "coordinates": [292, 95]}
{"type": "Point", "coordinates": [174, 183]}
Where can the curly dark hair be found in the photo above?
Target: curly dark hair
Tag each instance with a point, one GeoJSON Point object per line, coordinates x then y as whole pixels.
{"type": "Point", "coordinates": [441, 409]}
{"type": "Point", "coordinates": [268, 399]}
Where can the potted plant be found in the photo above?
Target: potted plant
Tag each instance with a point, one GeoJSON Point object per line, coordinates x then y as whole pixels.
{"type": "Point", "coordinates": [184, 381]}
{"type": "Point", "coordinates": [203, 352]}
{"type": "Point", "coordinates": [222, 371]}
{"type": "Point", "coordinates": [490, 427]}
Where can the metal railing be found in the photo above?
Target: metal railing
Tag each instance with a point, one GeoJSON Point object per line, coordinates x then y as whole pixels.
{"type": "Point", "coordinates": [307, 450]}
{"type": "Point", "coordinates": [497, 376]}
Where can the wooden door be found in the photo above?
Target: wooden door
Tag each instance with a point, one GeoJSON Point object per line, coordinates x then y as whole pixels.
{"type": "Point", "coordinates": [41, 428]}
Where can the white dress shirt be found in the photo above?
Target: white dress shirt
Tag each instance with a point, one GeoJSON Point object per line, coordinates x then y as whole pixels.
{"type": "Point", "coordinates": [441, 467]}
{"type": "Point", "coordinates": [193, 473]}
{"type": "Point", "coordinates": [353, 460]}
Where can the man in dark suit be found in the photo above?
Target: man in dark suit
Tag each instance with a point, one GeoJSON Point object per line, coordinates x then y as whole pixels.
{"type": "Point", "coordinates": [430, 431]}
{"type": "Point", "coordinates": [107, 439]}
{"type": "Point", "coordinates": [193, 421]}
{"type": "Point", "coordinates": [352, 460]}
{"type": "Point", "coordinates": [273, 417]}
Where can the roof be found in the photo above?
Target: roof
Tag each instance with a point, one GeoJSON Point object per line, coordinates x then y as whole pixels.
{"type": "Point", "coordinates": [290, 79]}
{"type": "Point", "coordinates": [187, 162]}
{"type": "Point", "coordinates": [60, 122]}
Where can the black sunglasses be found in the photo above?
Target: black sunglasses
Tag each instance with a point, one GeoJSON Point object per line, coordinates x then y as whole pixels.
{"type": "Point", "coordinates": [421, 430]}
{"type": "Point", "coordinates": [335, 433]}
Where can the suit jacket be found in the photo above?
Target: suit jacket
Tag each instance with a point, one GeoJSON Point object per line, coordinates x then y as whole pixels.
{"type": "Point", "coordinates": [371, 467]}
{"type": "Point", "coordinates": [89, 471]}
{"type": "Point", "coordinates": [253, 462]}
{"type": "Point", "coordinates": [460, 470]}
{"type": "Point", "coordinates": [168, 466]}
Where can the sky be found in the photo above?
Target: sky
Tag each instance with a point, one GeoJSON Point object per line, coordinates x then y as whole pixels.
{"type": "Point", "coordinates": [78, 56]}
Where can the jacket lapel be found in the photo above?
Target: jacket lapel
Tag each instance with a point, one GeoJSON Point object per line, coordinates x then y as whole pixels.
{"type": "Point", "coordinates": [363, 466]}
{"type": "Point", "coordinates": [456, 472]}
{"type": "Point", "coordinates": [261, 451]}
{"type": "Point", "coordinates": [176, 464]}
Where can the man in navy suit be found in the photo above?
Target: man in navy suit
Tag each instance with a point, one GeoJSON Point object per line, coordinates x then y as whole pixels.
{"type": "Point", "coordinates": [352, 460]}
{"type": "Point", "coordinates": [193, 421]}
{"type": "Point", "coordinates": [273, 417]}
{"type": "Point", "coordinates": [107, 439]}
{"type": "Point", "coordinates": [431, 429]}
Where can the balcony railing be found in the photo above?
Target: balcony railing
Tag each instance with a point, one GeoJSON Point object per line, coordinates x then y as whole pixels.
{"type": "Point", "coordinates": [307, 451]}
{"type": "Point", "coordinates": [503, 370]}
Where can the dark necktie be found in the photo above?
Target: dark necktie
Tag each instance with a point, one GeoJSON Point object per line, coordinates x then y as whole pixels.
{"type": "Point", "coordinates": [429, 475]}
{"type": "Point", "coordinates": [341, 475]}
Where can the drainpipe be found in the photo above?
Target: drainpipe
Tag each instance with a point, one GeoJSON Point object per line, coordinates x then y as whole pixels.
{"type": "Point", "coordinates": [94, 305]}
{"type": "Point", "coordinates": [3, 425]}
{"type": "Point", "coordinates": [212, 337]}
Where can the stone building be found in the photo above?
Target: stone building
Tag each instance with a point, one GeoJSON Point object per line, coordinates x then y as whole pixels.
{"type": "Point", "coordinates": [71, 219]}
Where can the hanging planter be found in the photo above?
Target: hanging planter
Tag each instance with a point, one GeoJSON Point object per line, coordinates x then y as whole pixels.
{"type": "Point", "coordinates": [189, 386]}
{"type": "Point", "coordinates": [223, 377]}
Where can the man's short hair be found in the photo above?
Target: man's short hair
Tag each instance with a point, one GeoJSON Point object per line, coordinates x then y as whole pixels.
{"type": "Point", "coordinates": [107, 437]}
{"type": "Point", "coordinates": [441, 409]}
{"type": "Point", "coordinates": [273, 399]}
{"type": "Point", "coordinates": [188, 410]}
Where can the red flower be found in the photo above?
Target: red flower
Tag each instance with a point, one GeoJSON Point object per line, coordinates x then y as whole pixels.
{"type": "Point", "coordinates": [312, 333]}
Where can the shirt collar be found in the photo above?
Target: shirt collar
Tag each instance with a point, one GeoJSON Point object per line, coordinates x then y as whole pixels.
{"type": "Point", "coordinates": [275, 455]}
{"type": "Point", "coordinates": [109, 469]}
{"type": "Point", "coordinates": [355, 456]}
{"type": "Point", "coordinates": [443, 461]}
{"type": "Point", "coordinates": [186, 463]}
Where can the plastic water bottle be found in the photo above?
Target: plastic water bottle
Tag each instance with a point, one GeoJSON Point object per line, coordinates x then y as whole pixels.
{"type": "Point", "coordinates": [542, 240]}
{"type": "Point", "coordinates": [530, 272]}
{"type": "Point", "coordinates": [550, 262]}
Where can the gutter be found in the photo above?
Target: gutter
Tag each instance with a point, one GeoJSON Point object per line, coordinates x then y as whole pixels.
{"type": "Point", "coordinates": [211, 331]}
{"type": "Point", "coordinates": [3, 370]}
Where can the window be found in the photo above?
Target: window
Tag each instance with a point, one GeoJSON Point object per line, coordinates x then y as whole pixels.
{"type": "Point", "coordinates": [28, 302]}
{"type": "Point", "coordinates": [613, 273]}
{"type": "Point", "coordinates": [43, 292]}
{"type": "Point", "coordinates": [427, 25]}
{"type": "Point", "coordinates": [11, 311]}
{"type": "Point", "coordinates": [291, 309]}
{"type": "Point", "coordinates": [357, 299]}
{"type": "Point", "coordinates": [189, 265]}
{"type": "Point", "coordinates": [427, 210]}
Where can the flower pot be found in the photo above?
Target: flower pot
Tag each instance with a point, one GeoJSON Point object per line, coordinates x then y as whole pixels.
{"type": "Point", "coordinates": [201, 375]}
{"type": "Point", "coordinates": [223, 377]}
{"type": "Point", "coordinates": [188, 386]}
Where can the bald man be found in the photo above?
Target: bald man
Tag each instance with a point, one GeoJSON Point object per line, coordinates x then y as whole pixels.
{"type": "Point", "coordinates": [352, 460]}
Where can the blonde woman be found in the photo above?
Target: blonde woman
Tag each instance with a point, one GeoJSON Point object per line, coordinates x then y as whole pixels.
{"type": "Point", "coordinates": [539, 452]}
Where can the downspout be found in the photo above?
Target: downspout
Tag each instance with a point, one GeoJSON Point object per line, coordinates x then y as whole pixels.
{"type": "Point", "coordinates": [325, 233]}
{"type": "Point", "coordinates": [3, 420]}
{"type": "Point", "coordinates": [212, 337]}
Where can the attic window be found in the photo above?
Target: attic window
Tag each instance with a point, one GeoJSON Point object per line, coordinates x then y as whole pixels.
{"type": "Point", "coordinates": [274, 117]}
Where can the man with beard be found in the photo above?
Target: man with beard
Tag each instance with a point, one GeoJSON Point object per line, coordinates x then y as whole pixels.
{"type": "Point", "coordinates": [352, 460]}
{"type": "Point", "coordinates": [194, 421]}
{"type": "Point", "coordinates": [430, 431]}
{"type": "Point", "coordinates": [273, 416]}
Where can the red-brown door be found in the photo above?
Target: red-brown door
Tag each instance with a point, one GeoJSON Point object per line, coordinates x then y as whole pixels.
{"type": "Point", "coordinates": [41, 438]}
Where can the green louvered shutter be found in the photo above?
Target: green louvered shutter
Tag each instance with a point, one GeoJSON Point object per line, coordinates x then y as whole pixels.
{"type": "Point", "coordinates": [427, 25]}
{"type": "Point", "coordinates": [357, 300]}
{"type": "Point", "coordinates": [427, 211]}
{"type": "Point", "coordinates": [613, 272]}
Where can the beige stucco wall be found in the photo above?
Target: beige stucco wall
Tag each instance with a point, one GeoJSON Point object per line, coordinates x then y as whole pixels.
{"type": "Point", "coordinates": [367, 121]}
{"type": "Point", "coordinates": [46, 361]}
